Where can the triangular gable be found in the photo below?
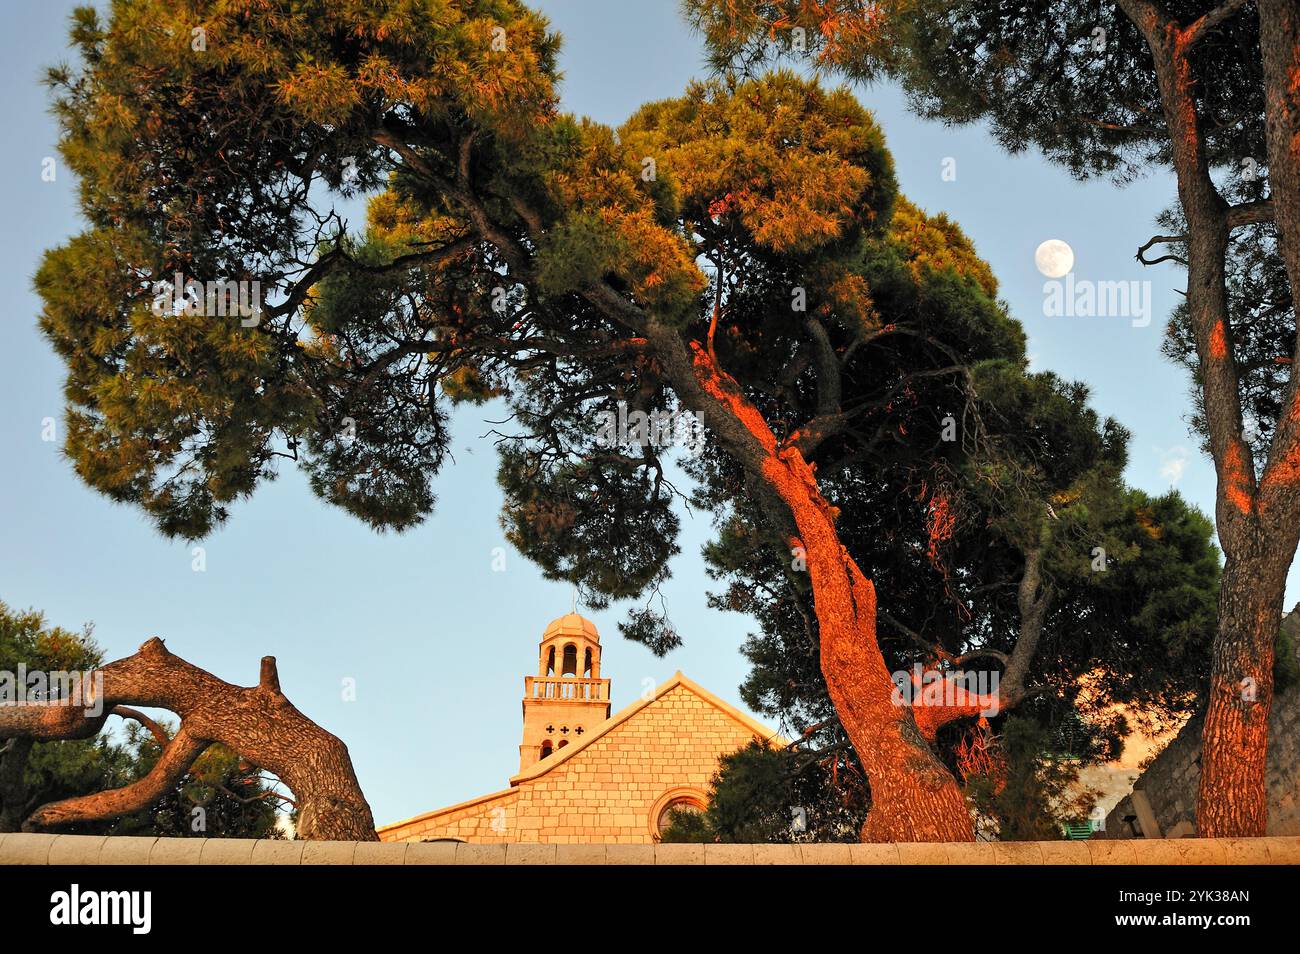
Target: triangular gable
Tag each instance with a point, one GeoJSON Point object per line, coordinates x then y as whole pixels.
{"type": "Point", "coordinates": [756, 728]}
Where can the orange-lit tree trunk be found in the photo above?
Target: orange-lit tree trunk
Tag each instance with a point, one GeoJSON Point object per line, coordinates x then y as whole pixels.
{"type": "Point", "coordinates": [1232, 796]}
{"type": "Point", "coordinates": [1264, 521]}
{"type": "Point", "coordinates": [914, 797]}
{"type": "Point", "coordinates": [1258, 518]}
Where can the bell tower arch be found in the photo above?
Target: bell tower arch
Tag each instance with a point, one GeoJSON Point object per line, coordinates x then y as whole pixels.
{"type": "Point", "coordinates": [567, 698]}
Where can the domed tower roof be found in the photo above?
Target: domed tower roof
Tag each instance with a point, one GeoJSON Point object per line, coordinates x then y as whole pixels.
{"type": "Point", "coordinates": [568, 697]}
{"type": "Point", "coordinates": [571, 624]}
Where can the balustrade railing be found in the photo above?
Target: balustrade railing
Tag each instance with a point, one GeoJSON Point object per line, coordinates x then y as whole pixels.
{"type": "Point", "coordinates": [566, 687]}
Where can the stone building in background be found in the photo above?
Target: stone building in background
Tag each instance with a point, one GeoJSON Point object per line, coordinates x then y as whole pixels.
{"type": "Point", "coordinates": [585, 777]}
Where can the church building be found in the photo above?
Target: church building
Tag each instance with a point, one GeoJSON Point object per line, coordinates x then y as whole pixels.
{"type": "Point", "coordinates": [587, 777]}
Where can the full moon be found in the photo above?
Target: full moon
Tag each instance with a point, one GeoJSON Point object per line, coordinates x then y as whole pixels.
{"type": "Point", "coordinates": [1054, 258]}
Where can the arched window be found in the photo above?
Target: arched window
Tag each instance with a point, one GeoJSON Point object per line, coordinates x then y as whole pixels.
{"type": "Point", "coordinates": [570, 665]}
{"type": "Point", "coordinates": [550, 662]}
{"type": "Point", "coordinates": [547, 748]}
{"type": "Point", "coordinates": [683, 800]}
{"type": "Point", "coordinates": [586, 666]}
{"type": "Point", "coordinates": [684, 806]}
{"type": "Point", "coordinates": [563, 743]}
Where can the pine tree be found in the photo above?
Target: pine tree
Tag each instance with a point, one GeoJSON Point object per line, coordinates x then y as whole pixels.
{"type": "Point", "coordinates": [1207, 89]}
{"type": "Point", "coordinates": [739, 252]}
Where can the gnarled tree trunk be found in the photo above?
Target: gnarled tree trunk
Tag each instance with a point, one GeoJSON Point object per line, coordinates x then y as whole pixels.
{"type": "Point", "coordinates": [913, 795]}
{"type": "Point", "coordinates": [257, 723]}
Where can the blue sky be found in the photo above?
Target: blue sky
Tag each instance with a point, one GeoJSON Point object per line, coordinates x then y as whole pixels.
{"type": "Point", "coordinates": [436, 641]}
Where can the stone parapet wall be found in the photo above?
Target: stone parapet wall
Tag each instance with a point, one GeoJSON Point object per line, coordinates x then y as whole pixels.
{"type": "Point", "coordinates": [24, 849]}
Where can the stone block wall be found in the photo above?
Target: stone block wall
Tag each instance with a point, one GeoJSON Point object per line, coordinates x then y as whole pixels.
{"type": "Point", "coordinates": [609, 790]}
{"type": "Point", "coordinates": [482, 821]}
{"type": "Point", "coordinates": [98, 850]}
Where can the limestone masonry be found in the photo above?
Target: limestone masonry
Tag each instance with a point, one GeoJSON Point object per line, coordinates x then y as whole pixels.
{"type": "Point", "coordinates": [586, 778]}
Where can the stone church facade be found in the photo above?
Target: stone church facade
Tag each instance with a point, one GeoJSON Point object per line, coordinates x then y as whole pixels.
{"type": "Point", "coordinates": [587, 777]}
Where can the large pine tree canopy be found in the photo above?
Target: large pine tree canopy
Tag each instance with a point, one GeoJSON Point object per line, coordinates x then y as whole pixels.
{"type": "Point", "coordinates": [219, 165]}
{"type": "Point", "coordinates": [513, 251]}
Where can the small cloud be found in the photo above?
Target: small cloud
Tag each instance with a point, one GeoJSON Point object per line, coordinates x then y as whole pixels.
{"type": "Point", "coordinates": [1173, 463]}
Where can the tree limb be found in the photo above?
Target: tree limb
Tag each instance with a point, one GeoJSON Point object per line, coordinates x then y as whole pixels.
{"type": "Point", "coordinates": [1206, 24]}
{"type": "Point", "coordinates": [259, 724]}
{"type": "Point", "coordinates": [1248, 213]}
{"type": "Point", "coordinates": [126, 712]}
{"type": "Point", "coordinates": [1158, 239]}
{"type": "Point", "coordinates": [176, 759]}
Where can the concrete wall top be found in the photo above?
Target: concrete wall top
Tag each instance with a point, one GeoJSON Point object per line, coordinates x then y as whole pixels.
{"type": "Point", "coordinates": [40, 849]}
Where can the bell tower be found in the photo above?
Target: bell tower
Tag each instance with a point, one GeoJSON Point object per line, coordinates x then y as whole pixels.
{"type": "Point", "coordinates": [567, 698]}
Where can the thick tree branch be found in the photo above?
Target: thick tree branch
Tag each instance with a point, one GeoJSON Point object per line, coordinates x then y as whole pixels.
{"type": "Point", "coordinates": [1280, 44]}
{"type": "Point", "coordinates": [258, 724]}
{"type": "Point", "coordinates": [176, 759]}
{"type": "Point", "coordinates": [1033, 598]}
{"type": "Point", "coordinates": [1248, 213]}
{"type": "Point", "coordinates": [828, 369]}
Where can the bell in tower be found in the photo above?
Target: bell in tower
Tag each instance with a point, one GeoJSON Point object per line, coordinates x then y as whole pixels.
{"type": "Point", "coordinates": [567, 698]}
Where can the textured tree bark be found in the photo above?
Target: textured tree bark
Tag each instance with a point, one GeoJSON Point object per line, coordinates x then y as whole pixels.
{"type": "Point", "coordinates": [1279, 42]}
{"type": "Point", "coordinates": [1232, 800]}
{"type": "Point", "coordinates": [913, 795]}
{"type": "Point", "coordinates": [1256, 517]}
{"type": "Point", "coordinates": [257, 723]}
{"type": "Point", "coordinates": [1264, 520]}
